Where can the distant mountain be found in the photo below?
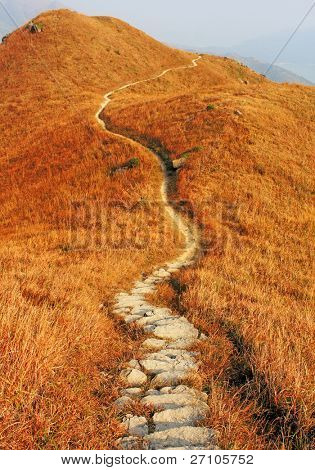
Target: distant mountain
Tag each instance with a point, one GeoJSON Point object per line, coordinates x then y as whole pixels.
{"type": "Point", "coordinates": [20, 11]}
{"type": "Point", "coordinates": [276, 74]}
{"type": "Point", "coordinates": [299, 50]}
{"type": "Point", "coordinates": [298, 56]}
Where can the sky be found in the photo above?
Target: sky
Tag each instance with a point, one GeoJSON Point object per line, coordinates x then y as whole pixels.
{"type": "Point", "coordinates": [204, 22]}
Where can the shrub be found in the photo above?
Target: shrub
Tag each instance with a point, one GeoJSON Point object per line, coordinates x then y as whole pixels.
{"type": "Point", "coordinates": [132, 163]}
{"type": "Point", "coordinates": [188, 152]}
{"type": "Point", "coordinates": [34, 27]}
{"type": "Point", "coordinates": [259, 169]}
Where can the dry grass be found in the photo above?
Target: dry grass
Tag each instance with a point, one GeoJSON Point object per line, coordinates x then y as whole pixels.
{"type": "Point", "coordinates": [71, 235]}
{"type": "Point", "coordinates": [249, 183]}
{"type": "Point", "coordinates": [249, 180]}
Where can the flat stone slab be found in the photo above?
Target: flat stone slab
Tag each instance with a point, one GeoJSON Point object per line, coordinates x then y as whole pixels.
{"type": "Point", "coordinates": [185, 389]}
{"type": "Point", "coordinates": [151, 281]}
{"type": "Point", "coordinates": [187, 437]}
{"type": "Point", "coordinates": [149, 328]}
{"type": "Point", "coordinates": [175, 329]}
{"type": "Point", "coordinates": [154, 344]}
{"type": "Point", "coordinates": [161, 273]}
{"type": "Point", "coordinates": [173, 354]}
{"type": "Point", "coordinates": [143, 290]}
{"type": "Point", "coordinates": [131, 318]}
{"type": "Point", "coordinates": [129, 303]}
{"type": "Point", "coordinates": [122, 402]}
{"type": "Point", "coordinates": [157, 363]}
{"type": "Point", "coordinates": [167, 379]}
{"type": "Point", "coordinates": [143, 310]}
{"type": "Point", "coordinates": [184, 416]}
{"type": "Point", "coordinates": [136, 426]}
{"type": "Point", "coordinates": [127, 297]}
{"type": "Point", "coordinates": [134, 377]}
{"type": "Point", "coordinates": [155, 318]}
{"type": "Point", "coordinates": [134, 364]}
{"type": "Point", "coordinates": [182, 343]}
{"type": "Point", "coordinates": [151, 392]}
{"type": "Point", "coordinates": [173, 401]}
{"type": "Point", "coordinates": [139, 284]}
{"type": "Point", "coordinates": [132, 392]}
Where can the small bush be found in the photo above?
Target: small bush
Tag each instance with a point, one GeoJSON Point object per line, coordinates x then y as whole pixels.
{"type": "Point", "coordinates": [259, 169]}
{"type": "Point", "coordinates": [188, 152]}
{"type": "Point", "coordinates": [34, 27]}
{"type": "Point", "coordinates": [210, 107]}
{"type": "Point", "coordinates": [65, 248]}
{"type": "Point", "coordinates": [132, 163]}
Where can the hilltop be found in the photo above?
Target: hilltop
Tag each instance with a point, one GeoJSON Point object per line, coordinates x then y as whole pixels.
{"type": "Point", "coordinates": [74, 231]}
{"type": "Point", "coordinates": [18, 12]}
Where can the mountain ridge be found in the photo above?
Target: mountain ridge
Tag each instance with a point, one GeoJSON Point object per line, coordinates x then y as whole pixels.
{"type": "Point", "coordinates": [276, 73]}
{"type": "Point", "coordinates": [18, 12]}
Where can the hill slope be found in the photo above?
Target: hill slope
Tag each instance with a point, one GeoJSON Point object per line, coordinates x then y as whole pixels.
{"type": "Point", "coordinates": [65, 246]}
{"type": "Point", "coordinates": [74, 231]}
{"type": "Point", "coordinates": [248, 181]}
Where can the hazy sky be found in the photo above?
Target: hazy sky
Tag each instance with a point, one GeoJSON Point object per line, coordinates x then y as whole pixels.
{"type": "Point", "coordinates": [204, 22]}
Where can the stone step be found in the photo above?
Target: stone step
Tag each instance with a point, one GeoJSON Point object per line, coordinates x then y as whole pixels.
{"type": "Point", "coordinates": [184, 389]}
{"type": "Point", "coordinates": [142, 290]}
{"type": "Point", "coordinates": [132, 392]}
{"type": "Point", "coordinates": [172, 401]}
{"type": "Point", "coordinates": [162, 314]}
{"type": "Point", "coordinates": [154, 344]}
{"type": "Point", "coordinates": [134, 377]}
{"type": "Point", "coordinates": [175, 329]}
{"type": "Point", "coordinates": [180, 417]}
{"type": "Point", "coordinates": [136, 425]}
{"type": "Point", "coordinates": [187, 437]}
{"type": "Point", "coordinates": [143, 311]}
{"type": "Point", "coordinates": [168, 379]}
{"type": "Point", "coordinates": [156, 363]}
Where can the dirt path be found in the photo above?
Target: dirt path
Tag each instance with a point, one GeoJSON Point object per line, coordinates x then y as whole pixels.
{"type": "Point", "coordinates": [160, 377]}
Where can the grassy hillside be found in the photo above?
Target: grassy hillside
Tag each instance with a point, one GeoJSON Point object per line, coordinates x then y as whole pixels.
{"type": "Point", "coordinates": [73, 232]}
{"type": "Point", "coordinates": [248, 181]}
{"type": "Point", "coordinates": [67, 240]}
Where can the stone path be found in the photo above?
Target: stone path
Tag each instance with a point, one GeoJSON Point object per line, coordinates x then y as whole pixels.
{"type": "Point", "coordinates": [161, 375]}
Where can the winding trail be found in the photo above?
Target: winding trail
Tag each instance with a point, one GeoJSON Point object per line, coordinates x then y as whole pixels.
{"type": "Point", "coordinates": [161, 376]}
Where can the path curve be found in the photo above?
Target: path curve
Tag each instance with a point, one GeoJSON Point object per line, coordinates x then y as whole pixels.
{"type": "Point", "coordinates": [160, 377]}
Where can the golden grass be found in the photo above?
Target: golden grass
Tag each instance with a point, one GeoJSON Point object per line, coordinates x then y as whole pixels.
{"type": "Point", "coordinates": [249, 180]}
{"type": "Point", "coordinates": [60, 352]}
{"type": "Point", "coordinates": [249, 183]}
